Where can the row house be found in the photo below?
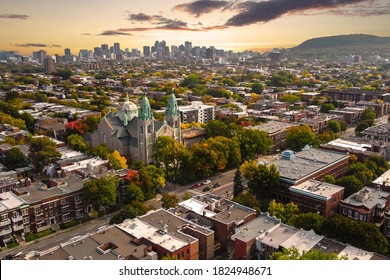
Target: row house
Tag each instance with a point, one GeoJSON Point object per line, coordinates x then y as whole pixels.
{"type": "Point", "coordinates": [276, 131]}
{"type": "Point", "coordinates": [355, 96]}
{"type": "Point", "coordinates": [14, 215]}
{"type": "Point", "coordinates": [367, 205]}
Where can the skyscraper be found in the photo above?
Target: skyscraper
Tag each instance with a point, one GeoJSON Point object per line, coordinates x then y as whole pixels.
{"type": "Point", "coordinates": [117, 48]}
{"type": "Point", "coordinates": [67, 52]}
{"type": "Point", "coordinates": [146, 51]}
{"type": "Point", "coordinates": [50, 65]}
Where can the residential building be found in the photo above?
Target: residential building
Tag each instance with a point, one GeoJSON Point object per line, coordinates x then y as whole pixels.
{"type": "Point", "coordinates": [351, 115]}
{"type": "Point", "coordinates": [355, 96]}
{"type": "Point", "coordinates": [319, 122]}
{"type": "Point", "coordinates": [193, 135]}
{"type": "Point", "coordinates": [245, 236]}
{"type": "Point", "coordinates": [196, 112]}
{"type": "Point", "coordinates": [317, 196]}
{"type": "Point", "coordinates": [53, 127]}
{"type": "Point", "coordinates": [368, 205]}
{"type": "Point", "coordinates": [49, 65]}
{"type": "Point", "coordinates": [275, 130]}
{"type": "Point", "coordinates": [380, 108]}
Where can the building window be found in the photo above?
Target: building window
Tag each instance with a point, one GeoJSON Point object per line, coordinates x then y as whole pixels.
{"type": "Point", "coordinates": [4, 217]}
{"type": "Point", "coordinates": [356, 217]}
{"type": "Point", "coordinates": [350, 213]}
{"type": "Point", "coordinates": [51, 213]}
{"type": "Point", "coordinates": [77, 198]}
{"type": "Point", "coordinates": [24, 212]}
{"type": "Point", "coordinates": [345, 211]}
{"type": "Point", "coordinates": [26, 220]}
{"type": "Point", "coordinates": [63, 201]}
{"type": "Point", "coordinates": [51, 205]}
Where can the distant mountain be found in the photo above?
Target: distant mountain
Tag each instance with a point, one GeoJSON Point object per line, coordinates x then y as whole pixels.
{"type": "Point", "coordinates": [343, 41]}
{"type": "Point", "coordinates": [344, 44]}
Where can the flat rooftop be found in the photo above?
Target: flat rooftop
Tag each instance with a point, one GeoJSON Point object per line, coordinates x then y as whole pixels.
{"type": "Point", "coordinates": [277, 236]}
{"type": "Point", "coordinates": [303, 240]}
{"type": "Point", "coordinates": [254, 228]}
{"type": "Point", "coordinates": [353, 253]}
{"type": "Point", "coordinates": [384, 179]}
{"type": "Point", "coordinates": [306, 162]}
{"type": "Point", "coordinates": [316, 189]}
{"type": "Point", "coordinates": [329, 246]}
{"type": "Point", "coordinates": [7, 178]}
{"type": "Point", "coordinates": [9, 200]}
{"type": "Point", "coordinates": [140, 229]}
{"type": "Point", "coordinates": [272, 127]}
{"type": "Point", "coordinates": [360, 147]}
{"type": "Point", "coordinates": [368, 197]}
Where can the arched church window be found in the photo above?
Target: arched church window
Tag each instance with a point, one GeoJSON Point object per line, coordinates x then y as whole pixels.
{"type": "Point", "coordinates": [141, 129]}
{"type": "Point", "coordinates": [150, 128]}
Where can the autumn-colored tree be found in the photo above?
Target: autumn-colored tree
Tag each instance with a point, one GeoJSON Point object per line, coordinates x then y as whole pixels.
{"type": "Point", "coordinates": [76, 127]}
{"type": "Point", "coordinates": [169, 200]}
{"type": "Point", "coordinates": [117, 161]}
{"type": "Point", "coordinates": [43, 151]}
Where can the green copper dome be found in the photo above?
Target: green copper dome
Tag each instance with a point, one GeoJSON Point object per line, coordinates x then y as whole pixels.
{"type": "Point", "coordinates": [146, 111]}
{"type": "Point", "coordinates": [172, 108]}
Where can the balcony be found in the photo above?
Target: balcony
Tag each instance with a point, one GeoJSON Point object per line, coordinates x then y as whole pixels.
{"type": "Point", "coordinates": [6, 231]}
{"type": "Point", "coordinates": [65, 209]}
{"type": "Point", "coordinates": [18, 227]}
{"type": "Point", "coordinates": [17, 219]}
{"type": "Point", "coordinates": [6, 222]}
{"type": "Point", "coordinates": [64, 202]}
{"type": "Point", "coordinates": [38, 213]}
{"type": "Point", "coordinates": [79, 204]}
{"type": "Point", "coordinates": [7, 239]}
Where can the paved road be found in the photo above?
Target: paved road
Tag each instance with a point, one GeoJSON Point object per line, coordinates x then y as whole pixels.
{"type": "Point", "coordinates": [62, 236]}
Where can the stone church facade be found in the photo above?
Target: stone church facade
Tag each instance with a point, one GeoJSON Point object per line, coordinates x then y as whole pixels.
{"type": "Point", "coordinates": [133, 132]}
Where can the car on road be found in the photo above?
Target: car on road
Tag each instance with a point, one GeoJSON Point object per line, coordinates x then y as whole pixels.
{"type": "Point", "coordinates": [216, 185]}
{"type": "Point", "coordinates": [206, 182]}
{"type": "Point", "coordinates": [195, 186]}
{"type": "Point", "coordinates": [206, 189]}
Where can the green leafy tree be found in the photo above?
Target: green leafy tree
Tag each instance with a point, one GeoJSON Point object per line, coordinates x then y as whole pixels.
{"type": "Point", "coordinates": [350, 183]}
{"type": "Point", "coordinates": [101, 192]}
{"type": "Point", "coordinates": [77, 143]}
{"type": "Point", "coordinates": [43, 151]}
{"type": "Point", "coordinates": [15, 159]}
{"type": "Point", "coordinates": [260, 177]}
{"type": "Point", "coordinates": [327, 136]}
{"type": "Point", "coordinates": [359, 234]}
{"type": "Point", "coordinates": [368, 114]}
{"type": "Point", "coordinates": [284, 212]}
{"type": "Point", "coordinates": [327, 107]}
{"type": "Point", "coordinates": [300, 136]}
{"type": "Point", "coordinates": [253, 142]}
{"type": "Point", "coordinates": [132, 192]}
{"type": "Point", "coordinates": [238, 188]}
{"type": "Point", "coordinates": [101, 151]}
{"type": "Point", "coordinates": [169, 200]}
{"type": "Point", "coordinates": [257, 88]}
{"type": "Point", "coordinates": [308, 221]}
{"type": "Point", "coordinates": [187, 196]}
{"type": "Point", "coordinates": [130, 211]}
{"type": "Point", "coordinates": [293, 254]}
{"type": "Point", "coordinates": [329, 179]}
{"type": "Point", "coordinates": [334, 126]}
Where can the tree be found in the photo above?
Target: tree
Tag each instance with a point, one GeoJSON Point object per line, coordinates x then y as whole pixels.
{"type": "Point", "coordinates": [132, 192]}
{"type": "Point", "coordinates": [351, 184]}
{"type": "Point", "coordinates": [253, 142]}
{"type": "Point", "coordinates": [101, 192]}
{"type": "Point", "coordinates": [169, 200]}
{"type": "Point", "coordinates": [260, 177]}
{"type": "Point", "coordinates": [187, 196]}
{"type": "Point", "coordinates": [326, 107]}
{"type": "Point", "coordinates": [308, 221]}
{"type": "Point", "coordinates": [300, 136]}
{"type": "Point", "coordinates": [327, 136]}
{"type": "Point", "coordinates": [359, 234]}
{"type": "Point", "coordinates": [249, 200]}
{"type": "Point", "coordinates": [293, 254]}
{"type": "Point", "coordinates": [238, 188]}
{"type": "Point", "coordinates": [329, 179]}
{"type": "Point", "coordinates": [284, 212]}
{"type": "Point", "coordinates": [368, 114]}
{"type": "Point", "coordinates": [77, 143]}
{"type": "Point", "coordinates": [134, 209]}
{"type": "Point", "coordinates": [117, 161]}
{"type": "Point", "coordinates": [257, 88]}
{"type": "Point", "coordinates": [334, 126]}
{"type": "Point", "coordinates": [101, 151]}
{"type": "Point", "coordinates": [15, 159]}
{"type": "Point", "coordinates": [43, 151]}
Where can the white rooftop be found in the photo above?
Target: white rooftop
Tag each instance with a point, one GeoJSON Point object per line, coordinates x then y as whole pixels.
{"type": "Point", "coordinates": [141, 229]}
{"type": "Point", "coordinates": [8, 201]}
{"type": "Point", "coordinates": [316, 189]}
{"type": "Point", "coordinates": [198, 207]}
{"type": "Point", "coordinates": [303, 240]}
{"type": "Point", "coordinates": [84, 164]}
{"type": "Point", "coordinates": [349, 145]}
{"type": "Point", "coordinates": [353, 253]}
{"type": "Point", "coordinates": [384, 179]}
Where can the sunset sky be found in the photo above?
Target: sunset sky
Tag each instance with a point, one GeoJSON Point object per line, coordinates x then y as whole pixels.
{"type": "Point", "coordinates": [31, 25]}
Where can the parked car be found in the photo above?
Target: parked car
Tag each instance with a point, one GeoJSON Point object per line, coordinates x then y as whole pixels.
{"type": "Point", "coordinates": [206, 189]}
{"type": "Point", "coordinates": [216, 185]}
{"type": "Point", "coordinates": [196, 186]}
{"type": "Point", "coordinates": [206, 182]}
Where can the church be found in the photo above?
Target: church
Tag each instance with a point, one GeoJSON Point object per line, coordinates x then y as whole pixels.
{"type": "Point", "coordinates": [133, 132]}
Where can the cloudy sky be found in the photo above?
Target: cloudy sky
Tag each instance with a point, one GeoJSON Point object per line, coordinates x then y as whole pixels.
{"type": "Point", "coordinates": [31, 25]}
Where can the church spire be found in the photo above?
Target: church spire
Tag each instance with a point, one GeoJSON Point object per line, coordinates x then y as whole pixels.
{"type": "Point", "coordinates": [146, 111]}
{"type": "Point", "coordinates": [172, 108]}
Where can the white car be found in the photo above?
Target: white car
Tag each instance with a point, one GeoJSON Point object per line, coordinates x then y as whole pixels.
{"type": "Point", "coordinates": [206, 182]}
